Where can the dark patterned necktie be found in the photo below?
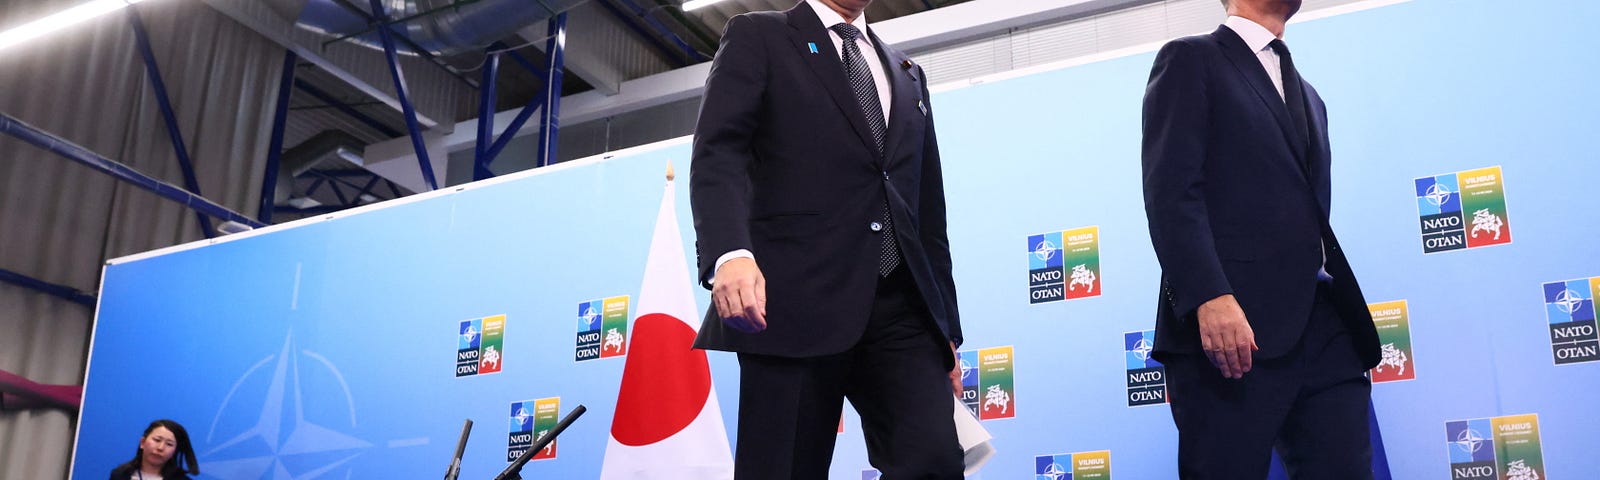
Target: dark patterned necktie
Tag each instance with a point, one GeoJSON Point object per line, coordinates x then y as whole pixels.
{"type": "Point", "coordinates": [1294, 97]}
{"type": "Point", "coordinates": [855, 70]}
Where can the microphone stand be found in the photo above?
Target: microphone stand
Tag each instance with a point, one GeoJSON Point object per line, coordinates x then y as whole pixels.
{"type": "Point", "coordinates": [461, 446]}
{"type": "Point", "coordinates": [514, 470]}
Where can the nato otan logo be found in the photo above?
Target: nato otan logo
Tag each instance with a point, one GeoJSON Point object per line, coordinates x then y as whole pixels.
{"type": "Point", "coordinates": [1462, 210]}
{"type": "Point", "coordinates": [1393, 322]}
{"type": "Point", "coordinates": [1064, 265]}
{"type": "Point", "coordinates": [1569, 307]}
{"type": "Point", "coordinates": [531, 420]}
{"type": "Point", "coordinates": [988, 386]}
{"type": "Point", "coordinates": [1497, 448]}
{"type": "Point", "coordinates": [480, 345]}
{"type": "Point", "coordinates": [1147, 378]}
{"type": "Point", "coordinates": [602, 328]}
{"type": "Point", "coordinates": [1073, 466]}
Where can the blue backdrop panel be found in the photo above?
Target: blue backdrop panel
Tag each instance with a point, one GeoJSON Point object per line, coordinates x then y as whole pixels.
{"type": "Point", "coordinates": [332, 344]}
{"type": "Point", "coordinates": [327, 350]}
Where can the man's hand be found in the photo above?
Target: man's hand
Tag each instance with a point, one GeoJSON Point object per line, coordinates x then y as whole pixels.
{"type": "Point", "coordinates": [955, 373]}
{"type": "Point", "coordinates": [739, 292]}
{"type": "Point", "coordinates": [1226, 336]}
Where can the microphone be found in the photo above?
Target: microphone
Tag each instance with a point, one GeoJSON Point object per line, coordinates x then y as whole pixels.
{"type": "Point", "coordinates": [514, 470]}
{"type": "Point", "coordinates": [461, 446]}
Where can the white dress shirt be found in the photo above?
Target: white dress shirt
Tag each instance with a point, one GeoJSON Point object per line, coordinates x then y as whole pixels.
{"type": "Point", "coordinates": [831, 18]}
{"type": "Point", "coordinates": [874, 64]}
{"type": "Point", "coordinates": [1257, 37]}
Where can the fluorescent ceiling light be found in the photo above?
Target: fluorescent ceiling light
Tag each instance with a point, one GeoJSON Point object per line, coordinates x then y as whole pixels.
{"type": "Point", "coordinates": [61, 20]}
{"type": "Point", "coordinates": [693, 4]}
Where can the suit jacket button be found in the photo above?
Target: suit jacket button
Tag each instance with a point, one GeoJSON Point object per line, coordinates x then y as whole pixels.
{"type": "Point", "coordinates": [876, 227]}
{"type": "Point", "coordinates": [885, 174]}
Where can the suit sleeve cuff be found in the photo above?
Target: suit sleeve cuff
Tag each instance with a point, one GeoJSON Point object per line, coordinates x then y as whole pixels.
{"type": "Point", "coordinates": [740, 253]}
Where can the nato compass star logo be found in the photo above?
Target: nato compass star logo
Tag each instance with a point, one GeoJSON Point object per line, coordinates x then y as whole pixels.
{"type": "Point", "coordinates": [1568, 301]}
{"type": "Point", "coordinates": [469, 334]}
{"type": "Point", "coordinates": [522, 417]}
{"type": "Point", "coordinates": [589, 317]}
{"type": "Point", "coordinates": [1055, 471]}
{"type": "Point", "coordinates": [1142, 349]}
{"type": "Point", "coordinates": [1469, 441]}
{"type": "Point", "coordinates": [1045, 251]}
{"type": "Point", "coordinates": [286, 440]}
{"type": "Point", "coordinates": [966, 369]}
{"type": "Point", "coordinates": [1437, 195]}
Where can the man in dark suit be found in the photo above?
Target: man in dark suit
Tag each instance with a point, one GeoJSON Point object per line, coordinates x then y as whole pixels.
{"type": "Point", "coordinates": [819, 208]}
{"type": "Point", "coordinates": [1261, 324]}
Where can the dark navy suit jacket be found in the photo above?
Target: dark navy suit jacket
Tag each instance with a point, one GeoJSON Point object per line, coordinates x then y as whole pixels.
{"type": "Point", "coordinates": [1235, 202]}
{"type": "Point", "coordinates": [784, 165]}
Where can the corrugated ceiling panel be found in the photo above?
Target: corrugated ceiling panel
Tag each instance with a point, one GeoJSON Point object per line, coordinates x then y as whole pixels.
{"type": "Point", "coordinates": [1052, 43]}
{"type": "Point", "coordinates": [594, 27]}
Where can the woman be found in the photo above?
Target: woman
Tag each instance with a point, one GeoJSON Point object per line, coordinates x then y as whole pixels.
{"type": "Point", "coordinates": [164, 445]}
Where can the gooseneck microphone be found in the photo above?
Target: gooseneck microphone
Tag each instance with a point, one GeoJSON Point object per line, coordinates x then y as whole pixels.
{"type": "Point", "coordinates": [514, 470]}
{"type": "Point", "coordinates": [461, 446]}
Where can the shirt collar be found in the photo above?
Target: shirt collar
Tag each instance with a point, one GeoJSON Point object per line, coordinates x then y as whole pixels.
{"type": "Point", "coordinates": [830, 18]}
{"type": "Point", "coordinates": [1255, 36]}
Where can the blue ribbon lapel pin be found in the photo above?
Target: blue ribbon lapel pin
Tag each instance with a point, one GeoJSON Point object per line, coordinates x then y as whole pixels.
{"type": "Point", "coordinates": [812, 46]}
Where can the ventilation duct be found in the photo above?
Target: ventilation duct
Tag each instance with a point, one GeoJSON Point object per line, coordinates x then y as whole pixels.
{"type": "Point", "coordinates": [443, 27]}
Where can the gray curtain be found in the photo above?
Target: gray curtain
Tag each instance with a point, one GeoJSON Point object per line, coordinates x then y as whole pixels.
{"type": "Point", "coordinates": [59, 221]}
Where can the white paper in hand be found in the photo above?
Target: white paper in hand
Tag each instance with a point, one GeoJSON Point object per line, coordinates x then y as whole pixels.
{"type": "Point", "coordinates": [975, 447]}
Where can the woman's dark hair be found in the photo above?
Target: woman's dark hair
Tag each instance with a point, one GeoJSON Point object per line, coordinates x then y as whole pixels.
{"type": "Point", "coordinates": [184, 454]}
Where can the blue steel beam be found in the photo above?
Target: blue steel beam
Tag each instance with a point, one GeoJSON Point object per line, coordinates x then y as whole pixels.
{"type": "Point", "coordinates": [368, 188]}
{"type": "Point", "coordinates": [62, 291]}
{"type": "Point", "coordinates": [486, 100]}
{"type": "Point", "coordinates": [176, 136]}
{"type": "Point", "coordinates": [393, 57]}
{"type": "Point", "coordinates": [307, 87]}
{"type": "Point", "coordinates": [339, 192]}
{"type": "Point", "coordinates": [315, 185]}
{"type": "Point", "coordinates": [527, 110]}
{"type": "Point", "coordinates": [516, 124]}
{"type": "Point", "coordinates": [339, 177]}
{"type": "Point", "coordinates": [378, 18]}
{"type": "Point", "coordinates": [400, 21]}
{"type": "Point", "coordinates": [44, 140]}
{"type": "Point", "coordinates": [660, 45]}
{"type": "Point", "coordinates": [280, 118]}
{"type": "Point", "coordinates": [674, 8]}
{"type": "Point", "coordinates": [341, 174]}
{"type": "Point", "coordinates": [521, 60]}
{"type": "Point", "coordinates": [689, 53]}
{"type": "Point", "coordinates": [549, 121]}
{"type": "Point", "coordinates": [317, 210]}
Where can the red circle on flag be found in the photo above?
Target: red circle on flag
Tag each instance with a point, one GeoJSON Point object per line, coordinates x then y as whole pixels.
{"type": "Point", "coordinates": [665, 382]}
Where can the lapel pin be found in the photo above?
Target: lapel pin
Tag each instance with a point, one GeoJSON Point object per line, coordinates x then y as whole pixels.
{"type": "Point", "coordinates": [923, 107]}
{"type": "Point", "coordinates": [907, 65]}
{"type": "Point", "coordinates": [813, 46]}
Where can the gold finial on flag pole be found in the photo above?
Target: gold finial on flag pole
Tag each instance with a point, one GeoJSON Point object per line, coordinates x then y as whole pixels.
{"type": "Point", "coordinates": [670, 174]}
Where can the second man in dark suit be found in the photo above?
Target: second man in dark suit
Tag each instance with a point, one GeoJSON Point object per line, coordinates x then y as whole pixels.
{"type": "Point", "coordinates": [1262, 326]}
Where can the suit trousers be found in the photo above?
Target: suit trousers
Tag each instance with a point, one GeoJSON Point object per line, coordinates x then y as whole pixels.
{"type": "Point", "coordinates": [1310, 405]}
{"type": "Point", "coordinates": [896, 377]}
